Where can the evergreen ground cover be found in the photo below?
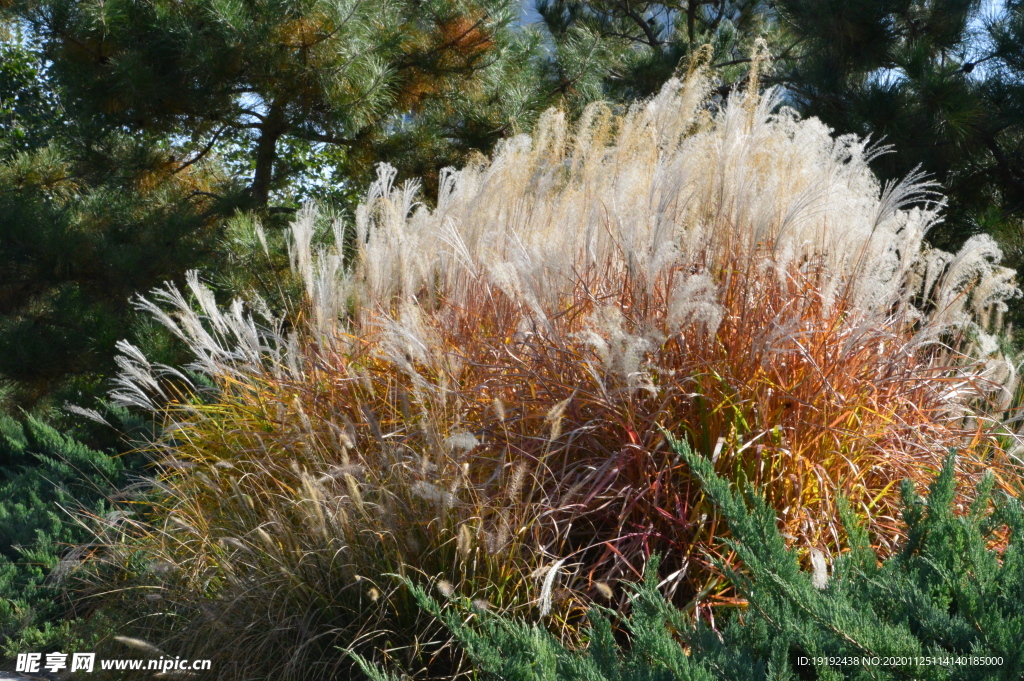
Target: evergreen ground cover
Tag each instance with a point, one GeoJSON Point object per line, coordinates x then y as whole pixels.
{"type": "Point", "coordinates": [50, 485]}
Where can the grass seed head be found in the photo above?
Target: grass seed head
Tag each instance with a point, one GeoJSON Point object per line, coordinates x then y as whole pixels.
{"type": "Point", "coordinates": [740, 278]}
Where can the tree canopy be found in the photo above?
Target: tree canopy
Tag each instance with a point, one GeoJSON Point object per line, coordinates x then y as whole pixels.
{"type": "Point", "coordinates": [938, 81]}
{"type": "Point", "coordinates": [369, 79]}
{"type": "Point", "coordinates": [643, 43]}
{"type": "Point", "coordinates": [87, 219]}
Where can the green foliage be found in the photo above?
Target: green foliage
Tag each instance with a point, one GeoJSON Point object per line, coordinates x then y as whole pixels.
{"type": "Point", "coordinates": [922, 76]}
{"type": "Point", "coordinates": [284, 86]}
{"type": "Point", "coordinates": [75, 247]}
{"type": "Point", "coordinates": [45, 478]}
{"type": "Point", "coordinates": [946, 596]}
{"type": "Point", "coordinates": [87, 219]}
{"type": "Point", "coordinates": [512, 650]}
{"type": "Point", "coordinates": [28, 110]}
{"type": "Point", "coordinates": [641, 44]}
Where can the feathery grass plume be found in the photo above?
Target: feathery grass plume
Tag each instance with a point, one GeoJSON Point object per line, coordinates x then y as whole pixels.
{"type": "Point", "coordinates": [283, 555]}
{"type": "Point", "coordinates": [740, 277]}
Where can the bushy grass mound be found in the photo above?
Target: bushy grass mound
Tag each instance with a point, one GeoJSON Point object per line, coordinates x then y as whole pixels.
{"type": "Point", "coordinates": [264, 548]}
{"type": "Point", "coordinates": [944, 606]}
{"type": "Point", "coordinates": [472, 393]}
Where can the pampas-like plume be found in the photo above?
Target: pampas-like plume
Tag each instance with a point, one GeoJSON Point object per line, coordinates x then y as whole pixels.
{"type": "Point", "coordinates": [740, 277]}
{"type": "Point", "coordinates": [549, 581]}
{"type": "Point", "coordinates": [655, 199]}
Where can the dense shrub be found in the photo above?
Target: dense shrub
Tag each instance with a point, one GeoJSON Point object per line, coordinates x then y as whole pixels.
{"type": "Point", "coordinates": [475, 396]}
{"type": "Point", "coordinates": [947, 605]}
{"type": "Point", "coordinates": [46, 480]}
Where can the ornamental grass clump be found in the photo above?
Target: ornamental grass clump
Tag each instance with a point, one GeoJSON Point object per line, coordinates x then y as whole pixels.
{"type": "Point", "coordinates": [472, 391]}
{"type": "Point", "coordinates": [275, 536]}
{"type": "Point", "coordinates": [945, 606]}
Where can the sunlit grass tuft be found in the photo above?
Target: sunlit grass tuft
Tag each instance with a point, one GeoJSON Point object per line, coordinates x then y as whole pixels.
{"type": "Point", "coordinates": [475, 399]}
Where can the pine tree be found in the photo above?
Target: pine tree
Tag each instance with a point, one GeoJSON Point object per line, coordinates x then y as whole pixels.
{"type": "Point", "coordinates": [644, 43]}
{"type": "Point", "coordinates": [88, 217]}
{"type": "Point", "coordinates": [921, 76]}
{"type": "Point", "coordinates": [363, 78]}
{"type": "Point", "coordinates": [28, 112]}
{"type": "Point", "coordinates": [947, 605]}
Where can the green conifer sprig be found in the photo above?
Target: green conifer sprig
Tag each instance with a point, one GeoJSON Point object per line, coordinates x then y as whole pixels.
{"type": "Point", "coordinates": [45, 477]}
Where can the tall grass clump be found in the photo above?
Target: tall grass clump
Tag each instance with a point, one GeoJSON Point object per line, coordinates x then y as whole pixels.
{"type": "Point", "coordinates": [472, 392]}
{"type": "Point", "coordinates": [944, 599]}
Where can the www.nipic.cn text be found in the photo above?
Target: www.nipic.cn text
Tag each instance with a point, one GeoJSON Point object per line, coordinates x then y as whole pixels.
{"type": "Point", "coordinates": [31, 663]}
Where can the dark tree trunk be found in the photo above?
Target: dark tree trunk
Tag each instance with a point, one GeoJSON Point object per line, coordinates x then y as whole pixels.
{"type": "Point", "coordinates": [273, 128]}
